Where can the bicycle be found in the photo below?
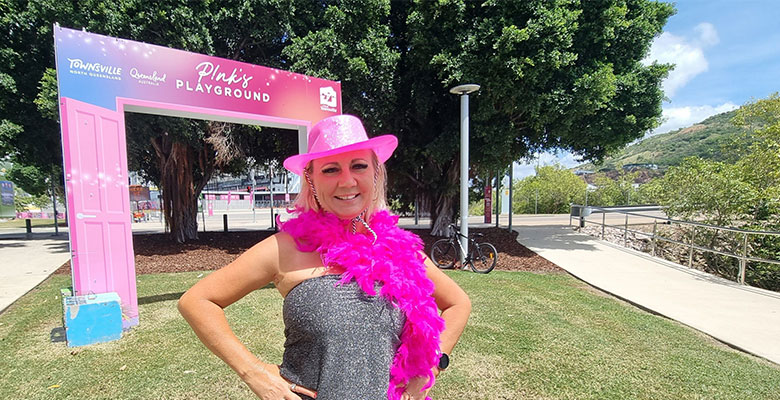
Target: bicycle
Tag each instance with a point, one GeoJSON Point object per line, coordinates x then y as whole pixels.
{"type": "Point", "coordinates": [481, 257]}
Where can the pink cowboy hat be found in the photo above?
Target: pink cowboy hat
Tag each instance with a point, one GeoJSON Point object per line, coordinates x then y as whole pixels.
{"type": "Point", "coordinates": [340, 134]}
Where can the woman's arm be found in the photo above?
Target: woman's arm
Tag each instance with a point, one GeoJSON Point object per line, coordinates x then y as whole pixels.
{"type": "Point", "coordinates": [455, 308]}
{"type": "Point", "coordinates": [453, 302]}
{"type": "Point", "coordinates": [202, 306]}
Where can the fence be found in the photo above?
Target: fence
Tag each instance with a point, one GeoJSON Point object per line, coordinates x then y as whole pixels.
{"type": "Point", "coordinates": [38, 215]}
{"type": "Point", "coordinates": [582, 212]}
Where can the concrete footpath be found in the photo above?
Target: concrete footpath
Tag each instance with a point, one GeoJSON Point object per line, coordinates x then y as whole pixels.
{"type": "Point", "coordinates": [26, 263]}
{"type": "Point", "coordinates": [744, 317]}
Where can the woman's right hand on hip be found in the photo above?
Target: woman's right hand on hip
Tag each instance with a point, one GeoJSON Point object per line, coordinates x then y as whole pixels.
{"type": "Point", "coordinates": [268, 384]}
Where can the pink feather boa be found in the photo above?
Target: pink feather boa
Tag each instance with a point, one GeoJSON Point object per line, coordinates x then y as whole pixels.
{"type": "Point", "coordinates": [396, 260]}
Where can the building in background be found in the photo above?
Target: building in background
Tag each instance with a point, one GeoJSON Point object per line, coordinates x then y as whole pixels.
{"type": "Point", "coordinates": [226, 192]}
{"type": "Point", "coordinates": [283, 185]}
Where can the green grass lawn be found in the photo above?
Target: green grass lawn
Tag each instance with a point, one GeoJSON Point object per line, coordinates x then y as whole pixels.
{"type": "Point", "coordinates": [35, 222]}
{"type": "Point", "coordinates": [530, 336]}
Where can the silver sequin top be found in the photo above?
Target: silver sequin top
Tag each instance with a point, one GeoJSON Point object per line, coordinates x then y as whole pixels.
{"type": "Point", "coordinates": [340, 341]}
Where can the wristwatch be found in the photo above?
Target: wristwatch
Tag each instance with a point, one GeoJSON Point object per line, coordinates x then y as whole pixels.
{"type": "Point", "coordinates": [444, 361]}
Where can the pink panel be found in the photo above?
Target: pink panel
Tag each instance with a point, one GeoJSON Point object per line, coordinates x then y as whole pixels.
{"type": "Point", "coordinates": [97, 271]}
{"type": "Point", "coordinates": [86, 176]}
{"type": "Point", "coordinates": [112, 184]}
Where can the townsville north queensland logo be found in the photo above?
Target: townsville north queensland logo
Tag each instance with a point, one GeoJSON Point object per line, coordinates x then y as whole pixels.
{"type": "Point", "coordinates": [94, 69]}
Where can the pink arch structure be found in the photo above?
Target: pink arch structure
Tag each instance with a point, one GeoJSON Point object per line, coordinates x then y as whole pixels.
{"type": "Point", "coordinates": [99, 79]}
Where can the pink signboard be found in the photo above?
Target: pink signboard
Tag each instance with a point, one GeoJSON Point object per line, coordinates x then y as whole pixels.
{"type": "Point", "coordinates": [99, 69]}
{"type": "Point", "coordinates": [99, 79]}
{"type": "Point", "coordinates": [488, 202]}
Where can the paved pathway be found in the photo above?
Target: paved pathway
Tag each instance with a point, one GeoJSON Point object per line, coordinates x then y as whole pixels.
{"type": "Point", "coordinates": [741, 316]}
{"type": "Point", "coordinates": [26, 263]}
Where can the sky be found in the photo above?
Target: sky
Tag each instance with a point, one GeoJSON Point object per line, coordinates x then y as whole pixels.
{"type": "Point", "coordinates": [726, 52]}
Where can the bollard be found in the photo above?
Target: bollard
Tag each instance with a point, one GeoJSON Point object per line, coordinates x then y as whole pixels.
{"type": "Point", "coordinates": [603, 223]}
{"type": "Point", "coordinates": [655, 230]}
{"type": "Point", "coordinates": [28, 225]}
{"type": "Point", "coordinates": [224, 222]}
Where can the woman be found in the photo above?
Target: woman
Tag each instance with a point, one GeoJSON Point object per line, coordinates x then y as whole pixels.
{"type": "Point", "coordinates": [361, 299]}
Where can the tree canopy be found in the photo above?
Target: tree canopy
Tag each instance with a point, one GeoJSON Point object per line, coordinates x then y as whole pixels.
{"type": "Point", "coordinates": [554, 74]}
{"type": "Point", "coordinates": [550, 191]}
{"type": "Point", "coordinates": [760, 165]}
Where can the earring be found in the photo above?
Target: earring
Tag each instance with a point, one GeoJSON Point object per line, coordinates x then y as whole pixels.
{"type": "Point", "coordinates": [376, 178]}
{"type": "Point", "coordinates": [311, 185]}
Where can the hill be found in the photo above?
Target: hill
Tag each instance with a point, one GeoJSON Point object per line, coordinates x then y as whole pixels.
{"type": "Point", "coordinates": [706, 139]}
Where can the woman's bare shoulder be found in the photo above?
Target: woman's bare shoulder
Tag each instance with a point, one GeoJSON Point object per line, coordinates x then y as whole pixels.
{"type": "Point", "coordinates": [284, 241]}
{"type": "Point", "coordinates": [288, 251]}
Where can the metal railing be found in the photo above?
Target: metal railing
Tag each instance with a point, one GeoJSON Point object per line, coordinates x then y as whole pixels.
{"type": "Point", "coordinates": [582, 212]}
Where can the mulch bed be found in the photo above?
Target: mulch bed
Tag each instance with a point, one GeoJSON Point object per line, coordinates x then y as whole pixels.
{"type": "Point", "coordinates": [512, 256]}
{"type": "Point", "coordinates": [155, 253]}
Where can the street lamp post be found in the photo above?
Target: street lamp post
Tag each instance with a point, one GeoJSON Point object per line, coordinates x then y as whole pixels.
{"type": "Point", "coordinates": [416, 199]}
{"type": "Point", "coordinates": [511, 183]}
{"type": "Point", "coordinates": [54, 206]}
{"type": "Point", "coordinates": [463, 91]}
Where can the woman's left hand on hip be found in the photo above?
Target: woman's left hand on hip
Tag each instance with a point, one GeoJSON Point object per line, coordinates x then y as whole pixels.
{"type": "Point", "coordinates": [413, 389]}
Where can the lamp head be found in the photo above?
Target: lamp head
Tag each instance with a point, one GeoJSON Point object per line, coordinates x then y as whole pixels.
{"type": "Point", "coordinates": [465, 89]}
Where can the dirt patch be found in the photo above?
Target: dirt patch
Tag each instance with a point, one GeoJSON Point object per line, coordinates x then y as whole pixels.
{"type": "Point", "coordinates": [155, 253]}
{"type": "Point", "coordinates": [692, 129]}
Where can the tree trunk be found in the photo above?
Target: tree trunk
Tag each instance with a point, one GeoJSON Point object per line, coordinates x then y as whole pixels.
{"type": "Point", "coordinates": [443, 210]}
{"type": "Point", "coordinates": [181, 183]}
{"type": "Point", "coordinates": [180, 202]}
{"type": "Point", "coordinates": [442, 215]}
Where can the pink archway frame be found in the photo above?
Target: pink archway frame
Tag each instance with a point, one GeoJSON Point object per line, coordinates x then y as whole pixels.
{"type": "Point", "coordinates": [99, 79]}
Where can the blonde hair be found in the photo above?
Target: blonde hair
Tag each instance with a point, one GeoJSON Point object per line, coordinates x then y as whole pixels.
{"type": "Point", "coordinates": [306, 201]}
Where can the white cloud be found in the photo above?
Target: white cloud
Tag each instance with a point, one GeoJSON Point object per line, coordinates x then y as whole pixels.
{"type": "Point", "coordinates": [687, 53]}
{"type": "Point", "coordinates": [523, 169]}
{"type": "Point", "coordinates": [679, 117]}
{"type": "Point", "coordinates": [708, 36]}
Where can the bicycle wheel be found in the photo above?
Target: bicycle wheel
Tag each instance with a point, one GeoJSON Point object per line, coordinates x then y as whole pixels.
{"type": "Point", "coordinates": [444, 254]}
{"type": "Point", "coordinates": [484, 258]}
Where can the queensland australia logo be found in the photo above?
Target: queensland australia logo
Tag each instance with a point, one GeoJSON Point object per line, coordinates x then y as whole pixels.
{"type": "Point", "coordinates": [95, 70]}
{"type": "Point", "coordinates": [328, 99]}
{"type": "Point", "coordinates": [146, 78]}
